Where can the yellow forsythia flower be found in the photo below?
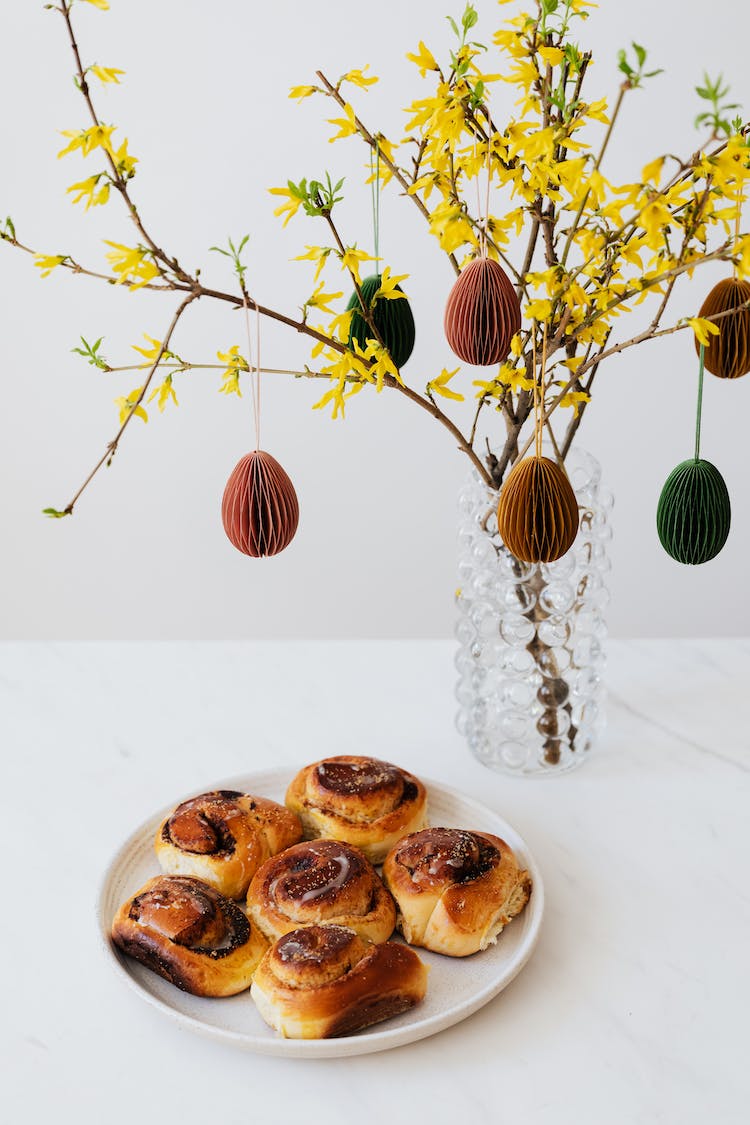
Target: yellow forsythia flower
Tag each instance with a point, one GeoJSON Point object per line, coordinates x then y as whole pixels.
{"type": "Point", "coordinates": [98, 136]}
{"type": "Point", "coordinates": [124, 162]}
{"type": "Point", "coordinates": [651, 173]}
{"type": "Point", "coordinates": [351, 258]}
{"type": "Point", "coordinates": [103, 5]}
{"type": "Point", "coordinates": [339, 326]}
{"type": "Point", "coordinates": [131, 264]}
{"type": "Point", "coordinates": [553, 55]}
{"type": "Point", "coordinates": [317, 254]}
{"type": "Point", "coordinates": [451, 226]}
{"type": "Point", "coordinates": [654, 217]}
{"type": "Point", "coordinates": [165, 391]}
{"type": "Point", "coordinates": [301, 92]}
{"type": "Point", "coordinates": [231, 376]}
{"type": "Point", "coordinates": [153, 351]}
{"type": "Point", "coordinates": [106, 73]}
{"type": "Point", "coordinates": [574, 399]}
{"type": "Point", "coordinates": [347, 125]}
{"type": "Point", "coordinates": [742, 251]}
{"type": "Point", "coordinates": [381, 364]}
{"type": "Point", "coordinates": [129, 405]}
{"type": "Point", "coordinates": [358, 78]}
{"type": "Point", "coordinates": [89, 190]}
{"type": "Point", "coordinates": [388, 285]}
{"type": "Point", "coordinates": [539, 309]}
{"type": "Point", "coordinates": [319, 300]}
{"type": "Point", "coordinates": [597, 111]}
{"type": "Point", "coordinates": [292, 204]}
{"type": "Point", "coordinates": [424, 59]}
{"type": "Point", "coordinates": [48, 262]}
{"type": "Point", "coordinates": [702, 328]}
{"type": "Point", "coordinates": [439, 386]}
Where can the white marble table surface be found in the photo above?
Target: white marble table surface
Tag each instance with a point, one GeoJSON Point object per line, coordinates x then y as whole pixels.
{"type": "Point", "coordinates": [634, 1008]}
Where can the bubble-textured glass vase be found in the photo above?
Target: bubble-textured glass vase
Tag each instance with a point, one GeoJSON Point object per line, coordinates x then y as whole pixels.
{"type": "Point", "coordinates": [531, 636]}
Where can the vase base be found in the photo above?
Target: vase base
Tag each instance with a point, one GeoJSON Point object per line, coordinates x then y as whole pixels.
{"type": "Point", "coordinates": [514, 759]}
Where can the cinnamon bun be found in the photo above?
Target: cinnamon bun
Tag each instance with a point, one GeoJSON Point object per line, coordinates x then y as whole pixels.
{"type": "Point", "coordinates": [454, 889]}
{"type": "Point", "coordinates": [223, 837]}
{"type": "Point", "coordinates": [190, 934]}
{"type": "Point", "coordinates": [320, 881]}
{"type": "Point", "coordinates": [324, 981]}
{"type": "Point", "coordinates": [361, 801]}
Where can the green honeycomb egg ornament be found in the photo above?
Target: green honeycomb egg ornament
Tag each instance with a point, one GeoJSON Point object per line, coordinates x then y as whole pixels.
{"type": "Point", "coordinates": [393, 320]}
{"type": "Point", "coordinates": [694, 513]}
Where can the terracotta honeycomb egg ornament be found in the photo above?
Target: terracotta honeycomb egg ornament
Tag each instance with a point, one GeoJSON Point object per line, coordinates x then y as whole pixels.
{"type": "Point", "coordinates": [537, 514]}
{"type": "Point", "coordinates": [729, 353]}
{"type": "Point", "coordinates": [482, 314]}
{"type": "Point", "coordinates": [259, 510]}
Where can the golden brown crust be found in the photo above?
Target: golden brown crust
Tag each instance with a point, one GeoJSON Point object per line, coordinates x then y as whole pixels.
{"type": "Point", "coordinates": [324, 981]}
{"type": "Point", "coordinates": [320, 881]}
{"type": "Point", "coordinates": [222, 837]}
{"type": "Point", "coordinates": [455, 890]}
{"type": "Point", "coordinates": [190, 934]}
{"type": "Point", "coordinates": [361, 801]}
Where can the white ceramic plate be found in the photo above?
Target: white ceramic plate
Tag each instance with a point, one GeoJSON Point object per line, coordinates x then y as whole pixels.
{"type": "Point", "coordinates": [457, 987]}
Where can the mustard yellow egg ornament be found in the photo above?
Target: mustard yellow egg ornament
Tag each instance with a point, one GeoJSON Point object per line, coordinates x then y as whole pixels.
{"type": "Point", "coordinates": [537, 514]}
{"type": "Point", "coordinates": [728, 354]}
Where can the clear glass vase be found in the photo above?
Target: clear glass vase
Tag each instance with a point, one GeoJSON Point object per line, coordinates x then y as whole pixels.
{"type": "Point", "coordinates": [531, 636]}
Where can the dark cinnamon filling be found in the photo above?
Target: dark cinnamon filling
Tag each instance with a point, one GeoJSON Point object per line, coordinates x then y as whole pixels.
{"type": "Point", "coordinates": [313, 944]}
{"type": "Point", "coordinates": [349, 778]}
{"type": "Point", "coordinates": [190, 914]}
{"type": "Point", "coordinates": [446, 855]}
{"type": "Point", "coordinates": [200, 828]}
{"type": "Point", "coordinates": [321, 870]}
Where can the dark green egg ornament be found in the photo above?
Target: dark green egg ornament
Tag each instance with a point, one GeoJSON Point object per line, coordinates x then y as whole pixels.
{"type": "Point", "coordinates": [694, 514]}
{"type": "Point", "coordinates": [393, 320]}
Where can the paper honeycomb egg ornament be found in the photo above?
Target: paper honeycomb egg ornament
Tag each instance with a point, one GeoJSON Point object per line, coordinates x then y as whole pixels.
{"type": "Point", "coordinates": [728, 354]}
{"type": "Point", "coordinates": [482, 314]}
{"type": "Point", "coordinates": [259, 510]}
{"type": "Point", "coordinates": [537, 514]}
{"type": "Point", "coordinates": [694, 512]}
{"type": "Point", "coordinates": [392, 316]}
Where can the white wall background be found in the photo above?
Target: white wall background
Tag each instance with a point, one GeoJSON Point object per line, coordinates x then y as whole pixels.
{"type": "Point", "coordinates": [205, 108]}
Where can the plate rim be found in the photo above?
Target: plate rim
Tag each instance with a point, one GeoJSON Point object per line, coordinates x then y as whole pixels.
{"type": "Point", "coordinates": [366, 1042]}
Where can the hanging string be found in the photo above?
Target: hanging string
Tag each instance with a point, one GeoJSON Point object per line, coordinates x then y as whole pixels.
{"type": "Point", "coordinates": [542, 372]}
{"type": "Point", "coordinates": [254, 374]}
{"type": "Point", "coordinates": [537, 427]}
{"type": "Point", "coordinates": [375, 192]}
{"type": "Point", "coordinates": [738, 213]}
{"type": "Point", "coordinates": [483, 217]}
{"type": "Point", "coordinates": [700, 405]}
{"type": "Point", "coordinates": [482, 239]}
{"type": "Point", "coordinates": [489, 177]}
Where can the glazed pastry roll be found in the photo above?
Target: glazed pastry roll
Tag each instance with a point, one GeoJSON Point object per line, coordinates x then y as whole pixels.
{"type": "Point", "coordinates": [190, 934]}
{"type": "Point", "coordinates": [324, 981]}
{"type": "Point", "coordinates": [223, 837]}
{"type": "Point", "coordinates": [320, 881]}
{"type": "Point", "coordinates": [454, 890]}
{"type": "Point", "coordinates": [361, 801]}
